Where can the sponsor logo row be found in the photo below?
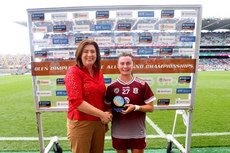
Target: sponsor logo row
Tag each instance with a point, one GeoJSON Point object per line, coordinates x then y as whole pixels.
{"type": "Point", "coordinates": [114, 52]}
{"type": "Point", "coordinates": [146, 39]}
{"type": "Point", "coordinates": [108, 27]}
{"type": "Point", "coordinates": [177, 101]}
{"type": "Point", "coordinates": [159, 102]}
{"type": "Point", "coordinates": [108, 14]}
{"type": "Point", "coordinates": [60, 82]}
{"type": "Point", "coordinates": [48, 104]}
{"type": "Point", "coordinates": [168, 80]}
{"type": "Point", "coordinates": [149, 80]}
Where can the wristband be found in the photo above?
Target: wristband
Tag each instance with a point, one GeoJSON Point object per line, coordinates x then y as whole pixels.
{"type": "Point", "coordinates": [137, 107]}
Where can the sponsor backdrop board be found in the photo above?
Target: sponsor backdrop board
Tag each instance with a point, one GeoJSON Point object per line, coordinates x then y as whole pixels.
{"type": "Point", "coordinates": [163, 39]}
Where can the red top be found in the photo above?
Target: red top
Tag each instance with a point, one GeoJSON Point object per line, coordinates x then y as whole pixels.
{"type": "Point", "coordinates": [80, 85]}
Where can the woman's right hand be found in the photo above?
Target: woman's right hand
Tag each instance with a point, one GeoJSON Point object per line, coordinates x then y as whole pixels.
{"type": "Point", "coordinates": [106, 117]}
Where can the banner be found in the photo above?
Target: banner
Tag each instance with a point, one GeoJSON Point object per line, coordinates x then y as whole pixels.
{"type": "Point", "coordinates": [110, 66]}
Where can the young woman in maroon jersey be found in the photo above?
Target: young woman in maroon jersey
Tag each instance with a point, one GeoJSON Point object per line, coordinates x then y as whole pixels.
{"type": "Point", "coordinates": [128, 128]}
{"type": "Point", "coordinates": [86, 94]}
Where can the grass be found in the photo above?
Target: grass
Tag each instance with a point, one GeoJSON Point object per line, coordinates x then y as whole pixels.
{"type": "Point", "coordinates": [211, 114]}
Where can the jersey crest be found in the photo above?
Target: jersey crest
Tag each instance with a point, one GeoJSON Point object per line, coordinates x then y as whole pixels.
{"type": "Point", "coordinates": [135, 90]}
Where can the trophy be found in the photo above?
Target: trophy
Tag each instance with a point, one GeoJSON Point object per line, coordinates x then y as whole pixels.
{"type": "Point", "coordinates": [118, 104]}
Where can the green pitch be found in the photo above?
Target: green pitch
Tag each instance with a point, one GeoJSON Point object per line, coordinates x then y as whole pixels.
{"type": "Point", "coordinates": [211, 115]}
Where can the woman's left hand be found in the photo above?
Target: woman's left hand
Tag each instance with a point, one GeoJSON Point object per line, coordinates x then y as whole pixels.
{"type": "Point", "coordinates": [130, 108]}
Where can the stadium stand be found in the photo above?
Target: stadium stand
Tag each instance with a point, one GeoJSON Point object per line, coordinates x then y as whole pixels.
{"type": "Point", "coordinates": [14, 64]}
{"type": "Point", "coordinates": [214, 51]}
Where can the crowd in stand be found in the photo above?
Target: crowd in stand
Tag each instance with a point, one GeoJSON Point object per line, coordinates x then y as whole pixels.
{"type": "Point", "coordinates": [215, 39]}
{"type": "Point", "coordinates": [8, 61]}
{"type": "Point", "coordinates": [214, 64]}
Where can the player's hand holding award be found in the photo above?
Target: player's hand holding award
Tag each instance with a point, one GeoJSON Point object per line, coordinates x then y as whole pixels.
{"type": "Point", "coordinates": [129, 108]}
{"type": "Point", "coordinates": [118, 104]}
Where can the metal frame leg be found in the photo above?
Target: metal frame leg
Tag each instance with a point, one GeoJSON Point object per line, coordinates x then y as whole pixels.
{"type": "Point", "coordinates": [189, 132]}
{"type": "Point", "coordinates": [40, 131]}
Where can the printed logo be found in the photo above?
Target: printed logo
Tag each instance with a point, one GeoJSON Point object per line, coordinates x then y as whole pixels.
{"type": "Point", "coordinates": [184, 79]}
{"type": "Point", "coordinates": [61, 54]}
{"type": "Point", "coordinates": [188, 13]}
{"type": "Point", "coordinates": [102, 27]}
{"type": "Point", "coordinates": [81, 15]}
{"type": "Point", "coordinates": [148, 80]}
{"type": "Point", "coordinates": [167, 13]}
{"type": "Point", "coordinates": [145, 39]}
{"type": "Point", "coordinates": [62, 104]}
{"type": "Point", "coordinates": [124, 14]}
{"type": "Point", "coordinates": [44, 93]}
{"type": "Point", "coordinates": [40, 42]}
{"type": "Point", "coordinates": [116, 90]}
{"type": "Point", "coordinates": [60, 81]}
{"type": "Point", "coordinates": [39, 29]}
{"type": "Point", "coordinates": [135, 90]}
{"type": "Point", "coordinates": [59, 16]}
{"type": "Point", "coordinates": [164, 91]}
{"type": "Point", "coordinates": [127, 39]}
{"type": "Point", "coordinates": [142, 26]}
{"type": "Point", "coordinates": [118, 51]}
{"type": "Point", "coordinates": [59, 28]}
{"type": "Point", "coordinates": [103, 40]}
{"type": "Point", "coordinates": [164, 79]}
{"type": "Point", "coordinates": [188, 26]}
{"type": "Point", "coordinates": [38, 17]}
{"type": "Point", "coordinates": [167, 39]}
{"type": "Point", "coordinates": [79, 39]}
{"type": "Point", "coordinates": [187, 38]}
{"type": "Point", "coordinates": [183, 90]}
{"type": "Point", "coordinates": [167, 26]}
{"type": "Point", "coordinates": [61, 93]}
{"type": "Point", "coordinates": [183, 101]}
{"type": "Point", "coordinates": [43, 82]}
{"type": "Point", "coordinates": [124, 26]}
{"type": "Point", "coordinates": [44, 103]}
{"type": "Point", "coordinates": [40, 54]}
{"type": "Point", "coordinates": [107, 80]}
{"type": "Point", "coordinates": [127, 100]}
{"type": "Point", "coordinates": [102, 14]}
{"type": "Point", "coordinates": [163, 101]}
{"type": "Point", "coordinates": [145, 51]}
{"type": "Point", "coordinates": [57, 41]}
{"type": "Point", "coordinates": [145, 13]}
{"type": "Point", "coordinates": [186, 51]}
{"type": "Point", "coordinates": [166, 51]}
{"type": "Point", "coordinates": [105, 51]}
{"type": "Point", "coordinates": [78, 28]}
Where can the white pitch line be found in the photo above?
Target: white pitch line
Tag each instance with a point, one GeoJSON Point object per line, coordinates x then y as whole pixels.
{"type": "Point", "coordinates": [109, 137]}
{"type": "Point", "coordinates": [158, 130]}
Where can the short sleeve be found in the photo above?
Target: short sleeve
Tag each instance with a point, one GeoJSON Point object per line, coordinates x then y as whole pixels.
{"type": "Point", "coordinates": [148, 94]}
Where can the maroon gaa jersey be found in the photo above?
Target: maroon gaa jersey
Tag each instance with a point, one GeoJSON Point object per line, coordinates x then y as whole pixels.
{"type": "Point", "coordinates": [137, 92]}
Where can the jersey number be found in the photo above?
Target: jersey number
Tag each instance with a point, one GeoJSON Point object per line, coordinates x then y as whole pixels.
{"type": "Point", "coordinates": [125, 91]}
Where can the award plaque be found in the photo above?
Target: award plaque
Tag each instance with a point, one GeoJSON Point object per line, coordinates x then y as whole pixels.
{"type": "Point", "coordinates": [118, 104]}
